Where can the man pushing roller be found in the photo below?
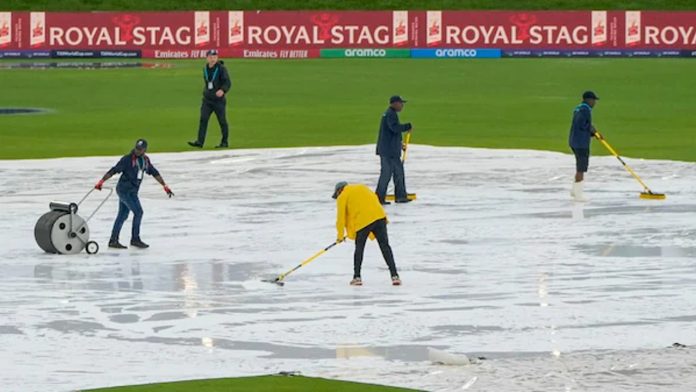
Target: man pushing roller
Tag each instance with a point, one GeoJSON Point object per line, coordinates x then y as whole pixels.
{"type": "Point", "coordinates": [581, 133]}
{"type": "Point", "coordinates": [360, 215]}
{"type": "Point", "coordinates": [133, 167]}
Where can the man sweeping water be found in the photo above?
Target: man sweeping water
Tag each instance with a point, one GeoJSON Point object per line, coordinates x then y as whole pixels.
{"type": "Point", "coordinates": [133, 167]}
{"type": "Point", "coordinates": [581, 133]}
{"type": "Point", "coordinates": [360, 215]}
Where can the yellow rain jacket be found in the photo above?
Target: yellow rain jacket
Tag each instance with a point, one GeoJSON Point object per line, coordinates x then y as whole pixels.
{"type": "Point", "coordinates": [356, 208]}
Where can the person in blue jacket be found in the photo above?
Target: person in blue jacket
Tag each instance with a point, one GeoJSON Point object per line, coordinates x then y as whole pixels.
{"type": "Point", "coordinates": [389, 148]}
{"type": "Point", "coordinates": [133, 167]}
{"type": "Point", "coordinates": [581, 133]}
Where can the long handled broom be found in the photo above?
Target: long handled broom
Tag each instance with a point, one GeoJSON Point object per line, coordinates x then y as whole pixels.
{"type": "Point", "coordinates": [281, 277]}
{"type": "Point", "coordinates": [407, 140]}
{"type": "Point", "coordinates": [648, 194]}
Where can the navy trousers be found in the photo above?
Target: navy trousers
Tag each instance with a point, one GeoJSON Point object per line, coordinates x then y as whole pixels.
{"type": "Point", "coordinates": [128, 202]}
{"type": "Point", "coordinates": [391, 167]}
{"type": "Point", "coordinates": [207, 109]}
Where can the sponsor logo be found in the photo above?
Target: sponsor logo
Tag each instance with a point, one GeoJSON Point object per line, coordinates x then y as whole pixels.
{"type": "Point", "coordinates": [326, 29]}
{"type": "Point", "coordinates": [523, 22]}
{"type": "Point", "coordinates": [202, 23]}
{"type": "Point", "coordinates": [512, 35]}
{"type": "Point", "coordinates": [632, 28]}
{"type": "Point", "coordinates": [325, 22]}
{"type": "Point", "coordinates": [599, 28]}
{"type": "Point", "coordinates": [235, 20]}
{"type": "Point", "coordinates": [5, 28]}
{"type": "Point", "coordinates": [670, 35]}
{"type": "Point", "coordinates": [365, 53]}
{"type": "Point", "coordinates": [172, 54]}
{"type": "Point", "coordinates": [128, 31]}
{"type": "Point", "coordinates": [523, 29]}
{"type": "Point", "coordinates": [126, 23]}
{"type": "Point", "coordinates": [400, 28]}
{"type": "Point", "coordinates": [456, 53]}
{"type": "Point", "coordinates": [37, 24]}
{"type": "Point", "coordinates": [434, 28]}
{"type": "Point", "coordinates": [275, 54]}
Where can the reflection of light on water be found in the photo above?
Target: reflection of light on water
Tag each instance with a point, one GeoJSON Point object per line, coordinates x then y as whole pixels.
{"type": "Point", "coordinates": [207, 342]}
{"type": "Point", "coordinates": [543, 293]}
{"type": "Point", "coordinates": [189, 286]}
{"type": "Point", "coordinates": [346, 352]}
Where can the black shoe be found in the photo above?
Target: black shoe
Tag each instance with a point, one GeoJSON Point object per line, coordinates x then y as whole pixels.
{"type": "Point", "coordinates": [116, 245]}
{"type": "Point", "coordinates": [139, 244]}
{"type": "Point", "coordinates": [384, 203]}
{"type": "Point", "coordinates": [195, 144]}
{"type": "Point", "coordinates": [400, 201]}
{"type": "Point", "coordinates": [222, 145]}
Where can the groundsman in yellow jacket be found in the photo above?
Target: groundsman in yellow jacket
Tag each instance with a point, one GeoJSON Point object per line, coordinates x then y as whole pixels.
{"type": "Point", "coordinates": [359, 216]}
{"type": "Point", "coordinates": [356, 208]}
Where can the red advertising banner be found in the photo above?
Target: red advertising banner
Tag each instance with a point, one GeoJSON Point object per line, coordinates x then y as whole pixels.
{"type": "Point", "coordinates": [321, 29]}
{"type": "Point", "coordinates": [302, 34]}
{"type": "Point", "coordinates": [660, 30]}
{"type": "Point", "coordinates": [521, 30]}
{"type": "Point", "coordinates": [116, 30]}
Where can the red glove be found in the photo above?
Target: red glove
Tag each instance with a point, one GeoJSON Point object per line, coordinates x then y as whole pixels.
{"type": "Point", "coordinates": [169, 191]}
{"type": "Point", "coordinates": [99, 185]}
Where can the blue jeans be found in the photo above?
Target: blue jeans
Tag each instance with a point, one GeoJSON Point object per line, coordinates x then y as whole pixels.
{"type": "Point", "coordinates": [391, 167]}
{"type": "Point", "coordinates": [128, 202]}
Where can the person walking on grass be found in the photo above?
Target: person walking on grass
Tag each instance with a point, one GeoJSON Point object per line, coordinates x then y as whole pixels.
{"type": "Point", "coordinates": [360, 216]}
{"type": "Point", "coordinates": [132, 166]}
{"type": "Point", "coordinates": [581, 133]}
{"type": "Point", "coordinates": [216, 84]}
{"type": "Point", "coordinates": [389, 147]}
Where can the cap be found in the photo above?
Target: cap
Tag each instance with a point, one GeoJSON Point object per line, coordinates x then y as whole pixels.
{"type": "Point", "coordinates": [339, 188]}
{"type": "Point", "coordinates": [396, 98]}
{"type": "Point", "coordinates": [212, 52]}
{"type": "Point", "coordinates": [589, 95]}
{"type": "Point", "coordinates": [141, 144]}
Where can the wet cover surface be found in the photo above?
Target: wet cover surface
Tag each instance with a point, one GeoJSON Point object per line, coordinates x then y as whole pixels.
{"type": "Point", "coordinates": [495, 258]}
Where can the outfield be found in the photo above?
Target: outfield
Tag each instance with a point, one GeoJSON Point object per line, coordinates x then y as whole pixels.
{"type": "Point", "coordinates": [257, 384]}
{"type": "Point", "coordinates": [645, 110]}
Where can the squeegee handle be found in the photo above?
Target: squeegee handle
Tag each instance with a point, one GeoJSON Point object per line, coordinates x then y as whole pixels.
{"type": "Point", "coordinates": [625, 165]}
{"type": "Point", "coordinates": [407, 140]}
{"type": "Point", "coordinates": [305, 262]}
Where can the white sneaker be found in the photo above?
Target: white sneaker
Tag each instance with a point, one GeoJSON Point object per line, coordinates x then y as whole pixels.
{"type": "Point", "coordinates": [576, 192]}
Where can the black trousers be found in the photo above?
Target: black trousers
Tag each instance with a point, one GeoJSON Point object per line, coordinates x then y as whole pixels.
{"type": "Point", "coordinates": [379, 229]}
{"type": "Point", "coordinates": [391, 167]}
{"type": "Point", "coordinates": [207, 109]}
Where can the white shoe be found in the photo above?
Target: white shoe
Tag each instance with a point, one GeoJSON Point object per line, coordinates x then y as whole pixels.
{"type": "Point", "coordinates": [576, 192]}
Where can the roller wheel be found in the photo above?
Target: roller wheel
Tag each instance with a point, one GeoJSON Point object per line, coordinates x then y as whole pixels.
{"type": "Point", "coordinates": [43, 228]}
{"type": "Point", "coordinates": [92, 248]}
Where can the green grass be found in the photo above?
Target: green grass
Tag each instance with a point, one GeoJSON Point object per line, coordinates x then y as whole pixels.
{"type": "Point", "coordinates": [646, 106]}
{"type": "Point", "coordinates": [256, 384]}
{"type": "Point", "coordinates": [90, 5]}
